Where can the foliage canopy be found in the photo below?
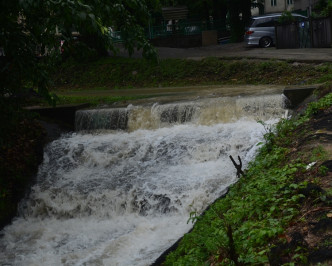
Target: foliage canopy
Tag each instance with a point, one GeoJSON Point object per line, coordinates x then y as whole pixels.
{"type": "Point", "coordinates": [31, 29]}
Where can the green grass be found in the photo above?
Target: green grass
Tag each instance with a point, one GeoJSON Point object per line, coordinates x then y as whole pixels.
{"type": "Point", "coordinates": [123, 73]}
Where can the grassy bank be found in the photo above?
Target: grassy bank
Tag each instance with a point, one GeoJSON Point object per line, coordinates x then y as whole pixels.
{"type": "Point", "coordinates": [280, 212]}
{"type": "Point", "coordinates": [122, 73]}
{"type": "Point", "coordinates": [110, 76]}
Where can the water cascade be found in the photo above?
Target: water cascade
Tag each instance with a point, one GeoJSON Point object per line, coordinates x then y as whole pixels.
{"type": "Point", "coordinates": [119, 190]}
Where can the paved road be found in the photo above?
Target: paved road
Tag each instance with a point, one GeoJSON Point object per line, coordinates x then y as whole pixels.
{"type": "Point", "coordinates": [239, 50]}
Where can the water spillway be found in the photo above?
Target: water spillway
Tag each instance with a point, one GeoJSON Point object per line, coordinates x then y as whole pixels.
{"type": "Point", "coordinates": [203, 112]}
{"type": "Point", "coordinates": [119, 191]}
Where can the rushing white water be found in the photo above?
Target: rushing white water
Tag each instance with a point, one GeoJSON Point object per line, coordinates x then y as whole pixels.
{"type": "Point", "coordinates": [122, 198]}
{"type": "Point", "coordinates": [202, 111]}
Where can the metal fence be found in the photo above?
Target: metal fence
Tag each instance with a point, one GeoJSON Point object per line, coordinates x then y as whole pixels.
{"type": "Point", "coordinates": [304, 34]}
{"type": "Point", "coordinates": [182, 28]}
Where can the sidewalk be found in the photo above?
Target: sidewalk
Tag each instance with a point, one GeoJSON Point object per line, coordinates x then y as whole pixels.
{"type": "Point", "coordinates": [239, 50]}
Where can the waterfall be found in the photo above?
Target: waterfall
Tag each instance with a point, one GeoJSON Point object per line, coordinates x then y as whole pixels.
{"type": "Point", "coordinates": [203, 112]}
{"type": "Point", "coordinates": [119, 191]}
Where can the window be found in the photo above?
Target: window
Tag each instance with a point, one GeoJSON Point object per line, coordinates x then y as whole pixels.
{"type": "Point", "coordinates": [266, 22]}
{"type": "Point", "coordinates": [273, 2]}
{"type": "Point", "coordinates": [289, 2]}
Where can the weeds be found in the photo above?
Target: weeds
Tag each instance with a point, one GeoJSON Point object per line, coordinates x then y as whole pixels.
{"type": "Point", "coordinates": [318, 153]}
{"type": "Point", "coordinates": [320, 105]}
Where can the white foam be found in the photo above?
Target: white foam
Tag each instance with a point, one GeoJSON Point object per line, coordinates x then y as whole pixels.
{"type": "Point", "coordinates": [122, 198]}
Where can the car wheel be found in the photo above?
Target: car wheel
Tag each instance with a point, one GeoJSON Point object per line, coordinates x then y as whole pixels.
{"type": "Point", "coordinates": [265, 42]}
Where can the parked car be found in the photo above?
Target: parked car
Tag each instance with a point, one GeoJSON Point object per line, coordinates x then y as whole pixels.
{"type": "Point", "coordinates": [261, 30]}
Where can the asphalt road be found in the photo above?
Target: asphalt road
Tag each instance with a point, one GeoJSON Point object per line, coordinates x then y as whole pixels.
{"type": "Point", "coordinates": [239, 50]}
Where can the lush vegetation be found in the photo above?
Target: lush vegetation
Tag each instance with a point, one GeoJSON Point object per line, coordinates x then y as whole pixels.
{"type": "Point", "coordinates": [323, 8]}
{"type": "Point", "coordinates": [122, 73]}
{"type": "Point", "coordinates": [31, 31]}
{"type": "Point", "coordinates": [250, 224]}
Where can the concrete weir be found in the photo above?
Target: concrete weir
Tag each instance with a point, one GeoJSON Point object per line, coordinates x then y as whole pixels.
{"type": "Point", "coordinates": [66, 114]}
{"type": "Point", "coordinates": [63, 113]}
{"type": "Point", "coordinates": [297, 95]}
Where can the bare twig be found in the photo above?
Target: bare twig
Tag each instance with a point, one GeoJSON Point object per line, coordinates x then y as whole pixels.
{"type": "Point", "coordinates": [238, 167]}
{"type": "Point", "coordinates": [316, 210]}
{"type": "Point", "coordinates": [232, 252]}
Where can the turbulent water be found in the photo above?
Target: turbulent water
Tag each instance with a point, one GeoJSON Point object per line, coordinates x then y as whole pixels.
{"type": "Point", "coordinates": [122, 197]}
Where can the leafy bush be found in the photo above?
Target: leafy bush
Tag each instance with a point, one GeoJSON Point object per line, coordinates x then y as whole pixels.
{"type": "Point", "coordinates": [286, 18]}
{"type": "Point", "coordinates": [320, 105]}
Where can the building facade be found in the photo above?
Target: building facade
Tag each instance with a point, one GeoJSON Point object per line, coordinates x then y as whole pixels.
{"type": "Point", "coordinates": [304, 5]}
{"type": "Point", "coordinates": [274, 6]}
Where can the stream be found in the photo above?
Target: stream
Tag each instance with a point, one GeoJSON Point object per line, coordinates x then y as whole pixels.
{"type": "Point", "coordinates": [120, 189]}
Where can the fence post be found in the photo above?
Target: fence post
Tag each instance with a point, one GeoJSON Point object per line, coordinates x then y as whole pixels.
{"type": "Point", "coordinates": [311, 32]}
{"type": "Point", "coordinates": [331, 30]}
{"type": "Point", "coordinates": [276, 35]}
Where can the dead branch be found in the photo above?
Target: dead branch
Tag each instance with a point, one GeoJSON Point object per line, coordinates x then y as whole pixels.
{"type": "Point", "coordinates": [232, 252]}
{"type": "Point", "coordinates": [316, 210]}
{"type": "Point", "coordinates": [238, 167]}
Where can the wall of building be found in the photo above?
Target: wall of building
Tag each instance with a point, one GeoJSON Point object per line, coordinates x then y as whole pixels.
{"type": "Point", "coordinates": [255, 11]}
{"type": "Point", "coordinates": [303, 4]}
{"type": "Point", "coordinates": [281, 6]}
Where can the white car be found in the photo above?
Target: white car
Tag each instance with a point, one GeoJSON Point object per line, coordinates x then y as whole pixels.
{"type": "Point", "coordinates": [262, 29]}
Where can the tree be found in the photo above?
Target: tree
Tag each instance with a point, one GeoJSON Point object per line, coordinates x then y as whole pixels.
{"type": "Point", "coordinates": [237, 23]}
{"type": "Point", "coordinates": [32, 27]}
{"type": "Point", "coordinates": [259, 4]}
{"type": "Point", "coordinates": [323, 8]}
